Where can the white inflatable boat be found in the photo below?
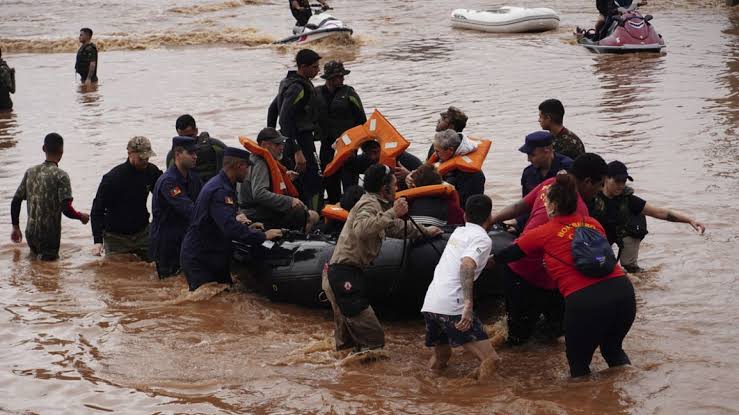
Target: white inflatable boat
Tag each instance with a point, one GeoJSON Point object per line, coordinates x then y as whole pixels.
{"type": "Point", "coordinates": [506, 19]}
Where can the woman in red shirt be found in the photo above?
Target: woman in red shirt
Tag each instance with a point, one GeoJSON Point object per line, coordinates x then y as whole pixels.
{"type": "Point", "coordinates": [598, 311]}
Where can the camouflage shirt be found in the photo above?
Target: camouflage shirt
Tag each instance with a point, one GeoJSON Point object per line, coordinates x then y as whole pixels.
{"type": "Point", "coordinates": [569, 144]}
{"type": "Point", "coordinates": [87, 53]}
{"type": "Point", "coordinates": [45, 188]}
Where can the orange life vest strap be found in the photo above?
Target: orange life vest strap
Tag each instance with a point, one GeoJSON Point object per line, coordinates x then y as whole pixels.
{"type": "Point", "coordinates": [281, 182]}
{"type": "Point", "coordinates": [378, 128]}
{"type": "Point", "coordinates": [471, 162]}
{"type": "Point", "coordinates": [334, 212]}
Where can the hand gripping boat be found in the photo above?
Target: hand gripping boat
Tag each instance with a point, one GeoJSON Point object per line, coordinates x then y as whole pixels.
{"type": "Point", "coordinates": [506, 19]}
{"type": "Point", "coordinates": [320, 25]}
{"type": "Point", "coordinates": [290, 271]}
{"type": "Point", "coordinates": [625, 31]}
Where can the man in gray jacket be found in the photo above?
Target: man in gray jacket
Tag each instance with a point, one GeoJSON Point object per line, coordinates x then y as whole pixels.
{"type": "Point", "coordinates": [265, 199]}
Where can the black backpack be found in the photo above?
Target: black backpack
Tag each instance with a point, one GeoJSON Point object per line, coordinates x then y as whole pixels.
{"type": "Point", "coordinates": [591, 253]}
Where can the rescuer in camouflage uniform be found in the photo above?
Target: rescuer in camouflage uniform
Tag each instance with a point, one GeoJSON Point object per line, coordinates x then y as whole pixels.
{"type": "Point", "coordinates": [48, 193]}
{"type": "Point", "coordinates": [551, 116]}
{"type": "Point", "coordinates": [7, 85]}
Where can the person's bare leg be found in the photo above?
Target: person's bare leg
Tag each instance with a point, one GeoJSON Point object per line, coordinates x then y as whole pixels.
{"type": "Point", "coordinates": [487, 356]}
{"type": "Point", "coordinates": [441, 356]}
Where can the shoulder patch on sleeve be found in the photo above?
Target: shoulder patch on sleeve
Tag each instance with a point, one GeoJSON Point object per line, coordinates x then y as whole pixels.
{"type": "Point", "coordinates": [175, 191]}
{"type": "Point", "coordinates": [229, 200]}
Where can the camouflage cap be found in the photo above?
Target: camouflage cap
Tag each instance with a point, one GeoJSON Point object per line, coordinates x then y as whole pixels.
{"type": "Point", "coordinates": [140, 145]}
{"type": "Point", "coordinates": [333, 69]}
{"type": "Point", "coordinates": [455, 115]}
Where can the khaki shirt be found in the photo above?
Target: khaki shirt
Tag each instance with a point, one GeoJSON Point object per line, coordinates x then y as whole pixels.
{"type": "Point", "coordinates": [369, 222]}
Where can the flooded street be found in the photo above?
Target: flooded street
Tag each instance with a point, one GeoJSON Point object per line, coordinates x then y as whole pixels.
{"type": "Point", "coordinates": [93, 335]}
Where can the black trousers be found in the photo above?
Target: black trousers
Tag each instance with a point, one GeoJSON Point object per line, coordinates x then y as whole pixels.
{"type": "Point", "coordinates": [525, 303]}
{"type": "Point", "coordinates": [598, 316]}
{"type": "Point", "coordinates": [332, 184]}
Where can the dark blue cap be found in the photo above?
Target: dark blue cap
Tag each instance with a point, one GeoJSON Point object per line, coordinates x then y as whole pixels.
{"type": "Point", "coordinates": [536, 139]}
{"type": "Point", "coordinates": [188, 143]}
{"type": "Point", "coordinates": [236, 152]}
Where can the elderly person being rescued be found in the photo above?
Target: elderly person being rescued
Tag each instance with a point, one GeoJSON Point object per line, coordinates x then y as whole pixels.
{"type": "Point", "coordinates": [267, 195]}
{"type": "Point", "coordinates": [449, 144]}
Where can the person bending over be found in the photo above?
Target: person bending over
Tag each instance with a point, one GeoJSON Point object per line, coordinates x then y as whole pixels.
{"type": "Point", "coordinates": [599, 311]}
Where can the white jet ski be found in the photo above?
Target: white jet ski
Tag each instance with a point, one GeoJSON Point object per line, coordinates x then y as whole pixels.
{"type": "Point", "coordinates": [506, 19]}
{"type": "Point", "coordinates": [320, 25]}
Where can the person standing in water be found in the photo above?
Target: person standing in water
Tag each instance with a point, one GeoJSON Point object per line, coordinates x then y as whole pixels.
{"type": "Point", "coordinates": [7, 84]}
{"type": "Point", "coordinates": [48, 193]}
{"type": "Point", "coordinates": [447, 308]}
{"type": "Point", "coordinates": [599, 311]}
{"type": "Point", "coordinates": [87, 58]}
{"type": "Point", "coordinates": [377, 215]}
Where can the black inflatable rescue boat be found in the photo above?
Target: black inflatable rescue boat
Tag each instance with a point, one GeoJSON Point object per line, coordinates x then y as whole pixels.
{"type": "Point", "coordinates": [290, 270]}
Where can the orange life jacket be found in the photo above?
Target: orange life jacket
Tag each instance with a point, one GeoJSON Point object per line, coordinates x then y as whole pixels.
{"type": "Point", "coordinates": [378, 128]}
{"type": "Point", "coordinates": [470, 162]}
{"type": "Point", "coordinates": [434, 190]}
{"type": "Point", "coordinates": [279, 179]}
{"type": "Point", "coordinates": [335, 212]}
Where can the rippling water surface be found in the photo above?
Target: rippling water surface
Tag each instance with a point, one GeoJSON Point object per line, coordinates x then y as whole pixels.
{"type": "Point", "coordinates": [91, 335]}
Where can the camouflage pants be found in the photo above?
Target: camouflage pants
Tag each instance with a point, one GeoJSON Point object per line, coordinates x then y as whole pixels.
{"type": "Point", "coordinates": [45, 249]}
{"type": "Point", "coordinates": [137, 243]}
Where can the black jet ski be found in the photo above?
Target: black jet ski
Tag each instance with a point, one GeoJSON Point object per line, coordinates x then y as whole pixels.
{"type": "Point", "coordinates": [290, 270]}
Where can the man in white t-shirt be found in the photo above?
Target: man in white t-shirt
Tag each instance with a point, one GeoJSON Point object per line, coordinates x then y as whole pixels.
{"type": "Point", "coordinates": [447, 309]}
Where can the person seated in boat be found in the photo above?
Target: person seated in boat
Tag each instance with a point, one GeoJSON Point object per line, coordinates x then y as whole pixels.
{"type": "Point", "coordinates": [376, 215]}
{"type": "Point", "coordinates": [370, 156]}
{"type": "Point", "coordinates": [448, 306]}
{"type": "Point", "coordinates": [267, 195]}
{"type": "Point", "coordinates": [436, 210]}
{"type": "Point", "coordinates": [621, 213]}
{"type": "Point", "coordinates": [449, 144]}
{"type": "Point", "coordinates": [453, 118]}
{"type": "Point", "coordinates": [302, 12]}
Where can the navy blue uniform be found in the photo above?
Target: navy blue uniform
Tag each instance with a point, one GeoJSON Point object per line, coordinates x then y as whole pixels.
{"type": "Point", "coordinates": [207, 248]}
{"type": "Point", "coordinates": [172, 208]}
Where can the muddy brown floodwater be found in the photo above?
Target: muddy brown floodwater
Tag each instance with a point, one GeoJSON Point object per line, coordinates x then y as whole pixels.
{"type": "Point", "coordinates": [91, 335]}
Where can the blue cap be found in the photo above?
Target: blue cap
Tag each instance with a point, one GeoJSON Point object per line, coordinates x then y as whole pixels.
{"type": "Point", "coordinates": [236, 152]}
{"type": "Point", "coordinates": [188, 143]}
{"type": "Point", "coordinates": [536, 139]}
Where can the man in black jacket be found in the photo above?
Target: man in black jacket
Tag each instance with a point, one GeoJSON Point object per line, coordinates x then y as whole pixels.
{"type": "Point", "coordinates": [340, 109]}
{"type": "Point", "coordinates": [296, 108]}
{"type": "Point", "coordinates": [120, 219]}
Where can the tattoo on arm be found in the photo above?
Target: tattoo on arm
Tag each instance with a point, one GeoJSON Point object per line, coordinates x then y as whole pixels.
{"type": "Point", "coordinates": [671, 217]}
{"type": "Point", "coordinates": [467, 275]}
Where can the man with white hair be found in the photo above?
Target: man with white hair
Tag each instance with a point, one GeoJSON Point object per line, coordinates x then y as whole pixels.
{"type": "Point", "coordinates": [448, 144]}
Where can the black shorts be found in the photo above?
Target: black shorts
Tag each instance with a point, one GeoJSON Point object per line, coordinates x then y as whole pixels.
{"type": "Point", "coordinates": [440, 330]}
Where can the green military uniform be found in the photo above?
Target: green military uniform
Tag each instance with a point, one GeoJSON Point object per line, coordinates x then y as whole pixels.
{"type": "Point", "coordinates": [7, 86]}
{"type": "Point", "coordinates": [569, 144]}
{"type": "Point", "coordinates": [87, 53]}
{"type": "Point", "coordinates": [45, 187]}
